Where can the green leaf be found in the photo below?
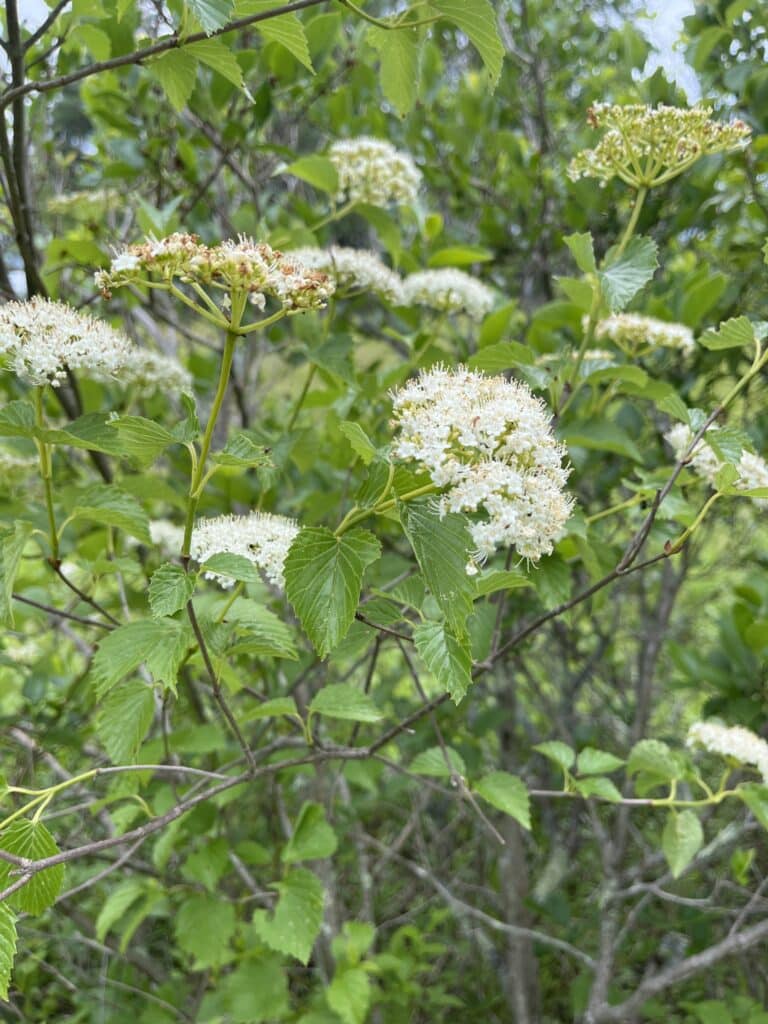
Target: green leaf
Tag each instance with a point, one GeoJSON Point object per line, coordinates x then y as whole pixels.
{"type": "Point", "coordinates": [211, 14]}
{"type": "Point", "coordinates": [345, 701]}
{"type": "Point", "coordinates": [500, 579]}
{"type": "Point", "coordinates": [755, 796]}
{"type": "Point", "coordinates": [600, 787]}
{"type": "Point", "coordinates": [117, 904]}
{"type": "Point", "coordinates": [12, 543]}
{"type": "Point", "coordinates": [218, 56]}
{"type": "Point", "coordinates": [433, 762]}
{"type": "Point", "coordinates": [443, 547]}
{"type": "Point", "coordinates": [237, 566]}
{"type": "Point", "coordinates": [169, 589]}
{"type": "Point", "coordinates": [583, 251]}
{"type": "Point", "coordinates": [734, 333]}
{"type": "Point", "coordinates": [399, 53]}
{"type": "Point", "coordinates": [91, 431]}
{"type": "Point", "coordinates": [500, 357]}
{"type": "Point", "coordinates": [295, 924]}
{"type": "Point", "coordinates": [460, 256]}
{"type": "Point", "coordinates": [204, 925]}
{"type": "Point", "coordinates": [32, 840]}
{"type": "Point", "coordinates": [597, 762]}
{"type": "Point", "coordinates": [176, 71]}
{"type": "Point", "coordinates": [681, 840]}
{"type": "Point", "coordinates": [652, 757]}
{"type": "Point", "coordinates": [318, 171]}
{"type": "Point", "coordinates": [602, 436]}
{"type": "Point", "coordinates": [361, 443]}
{"type": "Point", "coordinates": [447, 657]}
{"type": "Point", "coordinates": [313, 838]}
{"type": "Point", "coordinates": [124, 718]}
{"type": "Point", "coordinates": [7, 947]}
{"type": "Point", "coordinates": [110, 506]}
{"type": "Point", "coordinates": [477, 20]}
{"type": "Point", "coordinates": [17, 419]}
{"type": "Point", "coordinates": [349, 994]}
{"type": "Point", "coordinates": [506, 793]}
{"type": "Point", "coordinates": [140, 439]}
{"type": "Point", "coordinates": [558, 752]}
{"type": "Point", "coordinates": [286, 30]}
{"type": "Point", "coordinates": [262, 632]}
{"type": "Point", "coordinates": [160, 644]}
{"type": "Point", "coordinates": [323, 578]}
{"type": "Point", "coordinates": [242, 450]}
{"type": "Point", "coordinates": [623, 279]}
{"type": "Point", "coordinates": [275, 708]}
{"type": "Point", "coordinates": [256, 992]}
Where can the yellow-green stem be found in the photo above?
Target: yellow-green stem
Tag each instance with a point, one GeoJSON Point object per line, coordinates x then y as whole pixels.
{"type": "Point", "coordinates": [356, 515]}
{"type": "Point", "coordinates": [46, 472]}
{"type": "Point", "coordinates": [632, 222]}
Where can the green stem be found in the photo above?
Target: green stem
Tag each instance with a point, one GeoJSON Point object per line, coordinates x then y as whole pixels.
{"type": "Point", "coordinates": [302, 396]}
{"type": "Point", "coordinates": [632, 223]}
{"type": "Point", "coordinates": [46, 472]}
{"type": "Point", "coordinates": [677, 544]}
{"type": "Point", "coordinates": [336, 214]}
{"type": "Point", "coordinates": [356, 515]}
{"type": "Point", "coordinates": [380, 23]}
{"type": "Point", "coordinates": [634, 500]}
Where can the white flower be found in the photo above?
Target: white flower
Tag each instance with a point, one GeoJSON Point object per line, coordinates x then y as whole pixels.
{"type": "Point", "coordinates": [737, 742]}
{"type": "Point", "coordinates": [166, 535]}
{"type": "Point", "coordinates": [489, 442]}
{"type": "Point", "coordinates": [373, 171]}
{"type": "Point", "coordinates": [353, 270]}
{"type": "Point", "coordinates": [752, 469]}
{"type": "Point", "coordinates": [148, 372]}
{"type": "Point", "coordinates": [125, 261]}
{"type": "Point", "coordinates": [262, 538]}
{"type": "Point", "coordinates": [43, 338]}
{"type": "Point", "coordinates": [631, 331]}
{"type": "Point", "coordinates": [450, 290]}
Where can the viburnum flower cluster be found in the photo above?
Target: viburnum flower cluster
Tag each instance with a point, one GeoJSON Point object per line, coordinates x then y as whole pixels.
{"type": "Point", "coordinates": [752, 468]}
{"type": "Point", "coordinates": [147, 372]}
{"type": "Point", "coordinates": [353, 270]}
{"type": "Point", "coordinates": [488, 441]}
{"type": "Point", "coordinates": [647, 146]}
{"type": "Point", "coordinates": [449, 290]}
{"type": "Point", "coordinates": [633, 332]}
{"type": "Point", "coordinates": [232, 266]}
{"type": "Point", "coordinates": [42, 339]}
{"type": "Point", "coordinates": [735, 741]}
{"type": "Point", "coordinates": [373, 171]}
{"type": "Point", "coordinates": [262, 538]}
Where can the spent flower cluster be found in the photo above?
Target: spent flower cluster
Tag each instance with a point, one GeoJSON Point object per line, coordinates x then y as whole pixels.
{"type": "Point", "coordinates": [372, 171]}
{"type": "Point", "coordinates": [352, 270]}
{"type": "Point", "coordinates": [706, 463]}
{"type": "Point", "coordinates": [633, 332]}
{"type": "Point", "coordinates": [262, 538]}
{"type": "Point", "coordinates": [241, 266]}
{"type": "Point", "coordinates": [449, 290]}
{"type": "Point", "coordinates": [488, 441]}
{"type": "Point", "coordinates": [735, 741]}
{"type": "Point", "coordinates": [647, 146]}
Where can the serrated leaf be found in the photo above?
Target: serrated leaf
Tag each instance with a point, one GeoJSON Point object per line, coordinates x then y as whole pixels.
{"type": "Point", "coordinates": [204, 925]}
{"type": "Point", "coordinates": [316, 170]}
{"type": "Point", "coordinates": [261, 632]}
{"type": "Point", "coordinates": [12, 543]}
{"type": "Point", "coordinates": [313, 838]}
{"type": "Point", "coordinates": [108, 505]}
{"type": "Point", "coordinates": [597, 762]}
{"type": "Point", "coordinates": [652, 757]}
{"type": "Point", "coordinates": [600, 787]}
{"type": "Point", "coordinates": [755, 796]}
{"type": "Point", "coordinates": [92, 431]}
{"type": "Point", "coordinates": [275, 708]}
{"type": "Point", "coordinates": [681, 840]}
{"type": "Point", "coordinates": [160, 644]}
{"type": "Point", "coordinates": [17, 419]}
{"type": "Point", "coordinates": [242, 450]}
{"type": "Point", "coordinates": [286, 29]}
{"type": "Point", "coordinates": [349, 994]}
{"type": "Point", "coordinates": [361, 443]}
{"type": "Point", "coordinates": [212, 14]}
{"type": "Point", "coordinates": [176, 71]}
{"type": "Point", "coordinates": [500, 579]}
{"type": "Point", "coordinates": [737, 332]}
{"type": "Point", "coordinates": [218, 56]}
{"type": "Point", "coordinates": [622, 280]}
{"type": "Point", "coordinates": [500, 357]}
{"type": "Point", "coordinates": [124, 718]}
{"type": "Point", "coordinates": [33, 841]}
{"type": "Point", "coordinates": [583, 251]}
{"type": "Point", "coordinates": [117, 903]}
{"type": "Point", "coordinates": [432, 762]}
{"type": "Point", "coordinates": [345, 701]}
{"type": "Point", "coordinates": [558, 752]}
{"type": "Point", "coordinates": [602, 436]}
{"type": "Point", "coordinates": [477, 20]}
{"type": "Point", "coordinates": [140, 439]}
{"type": "Point", "coordinates": [238, 567]}
{"type": "Point", "coordinates": [506, 793]}
{"type": "Point", "coordinates": [323, 578]}
{"type": "Point", "coordinates": [256, 992]}
{"type": "Point", "coordinates": [398, 51]}
{"type": "Point", "coordinates": [169, 589]}
{"type": "Point", "coordinates": [297, 918]}
{"type": "Point", "coordinates": [447, 657]}
{"type": "Point", "coordinates": [7, 947]}
{"type": "Point", "coordinates": [443, 547]}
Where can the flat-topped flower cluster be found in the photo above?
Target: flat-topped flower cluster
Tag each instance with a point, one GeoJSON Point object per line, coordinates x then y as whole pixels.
{"type": "Point", "coordinates": [646, 146]}
{"type": "Point", "coordinates": [352, 270]}
{"type": "Point", "coordinates": [449, 290]}
{"type": "Point", "coordinates": [489, 442]}
{"type": "Point", "coordinates": [372, 171]}
{"type": "Point", "coordinates": [262, 538]}
{"type": "Point", "coordinates": [245, 266]}
{"type": "Point", "coordinates": [633, 332]}
{"type": "Point", "coordinates": [731, 741]}
{"type": "Point", "coordinates": [706, 463]}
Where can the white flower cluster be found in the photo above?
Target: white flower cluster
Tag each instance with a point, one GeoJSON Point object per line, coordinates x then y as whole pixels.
{"type": "Point", "coordinates": [373, 171]}
{"type": "Point", "coordinates": [166, 535]}
{"type": "Point", "coordinates": [632, 331]}
{"type": "Point", "coordinates": [262, 538]}
{"type": "Point", "coordinates": [647, 146]}
{"type": "Point", "coordinates": [353, 270]}
{"type": "Point", "coordinates": [737, 742]}
{"type": "Point", "coordinates": [242, 266]}
{"type": "Point", "coordinates": [752, 469]}
{"type": "Point", "coordinates": [15, 467]}
{"type": "Point", "coordinates": [42, 338]}
{"type": "Point", "coordinates": [449, 290]}
{"type": "Point", "coordinates": [148, 372]}
{"type": "Point", "coordinates": [489, 441]}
